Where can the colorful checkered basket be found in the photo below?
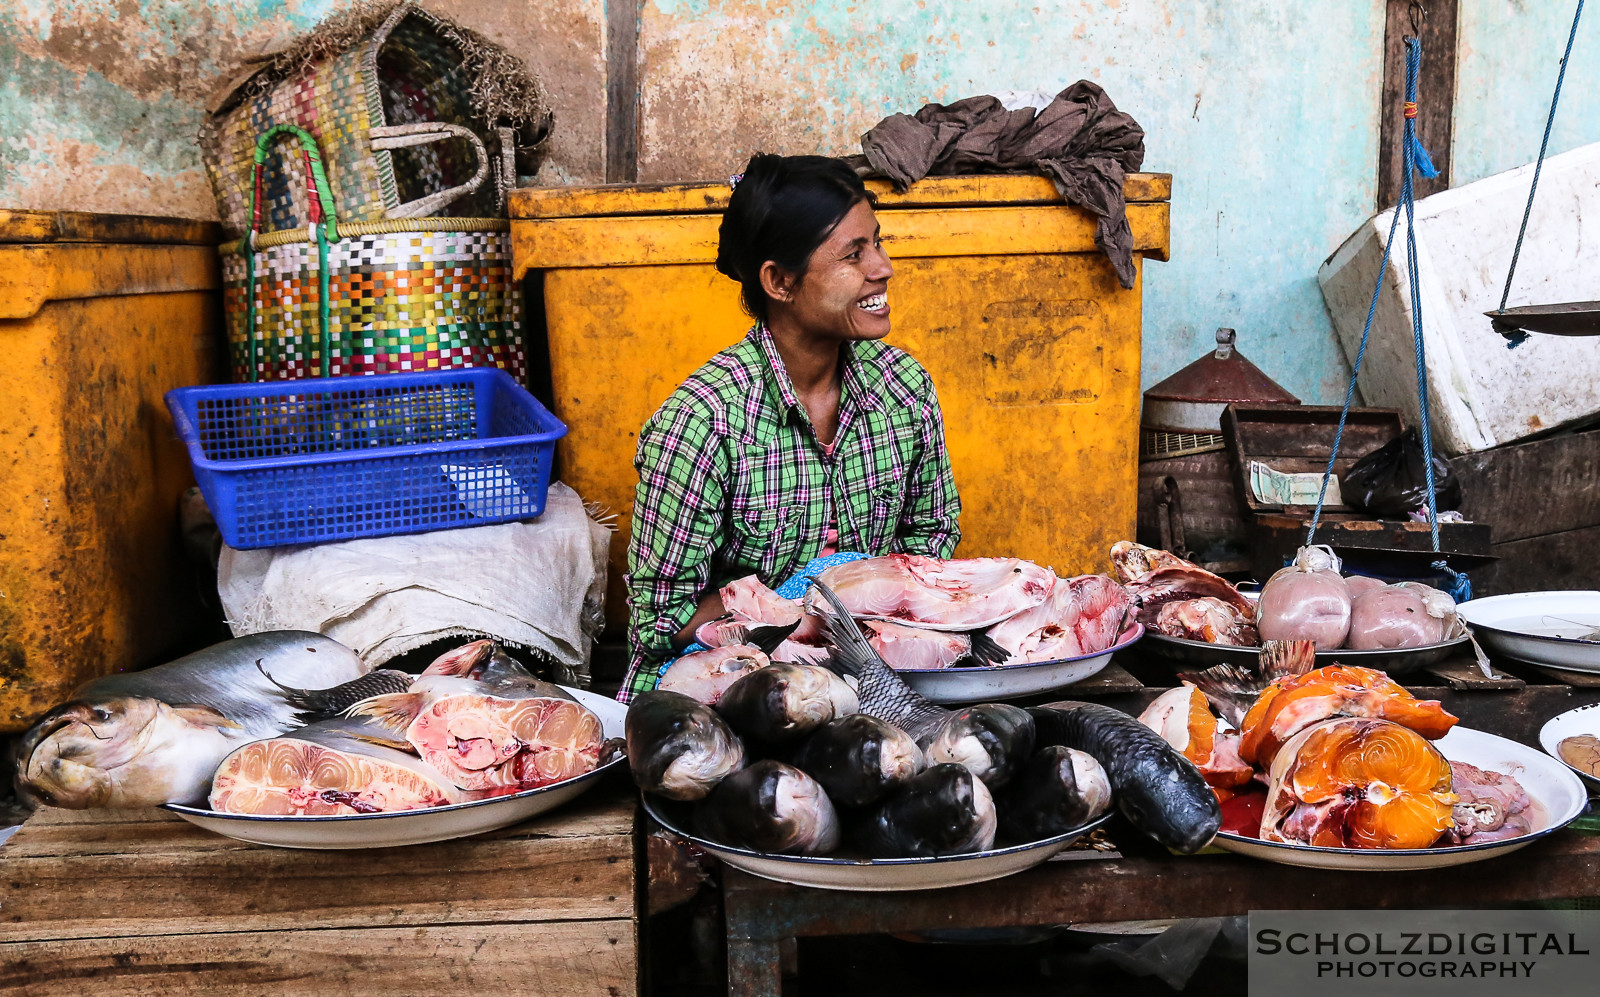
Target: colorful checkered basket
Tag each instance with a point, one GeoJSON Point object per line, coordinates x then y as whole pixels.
{"type": "Point", "coordinates": [380, 297]}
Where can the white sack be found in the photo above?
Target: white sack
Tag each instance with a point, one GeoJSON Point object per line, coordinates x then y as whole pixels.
{"type": "Point", "coordinates": [537, 584]}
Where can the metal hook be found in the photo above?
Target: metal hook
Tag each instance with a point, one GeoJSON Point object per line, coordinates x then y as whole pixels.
{"type": "Point", "coordinates": [1417, 13]}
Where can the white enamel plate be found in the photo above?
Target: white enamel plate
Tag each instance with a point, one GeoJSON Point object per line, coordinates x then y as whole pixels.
{"type": "Point", "coordinates": [1557, 794]}
{"type": "Point", "coordinates": [1583, 720]}
{"type": "Point", "coordinates": [987, 683]}
{"type": "Point", "coordinates": [1541, 628]}
{"type": "Point", "coordinates": [414, 827]}
{"type": "Point", "coordinates": [833, 872]}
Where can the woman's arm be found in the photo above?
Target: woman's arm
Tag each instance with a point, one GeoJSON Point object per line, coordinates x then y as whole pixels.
{"type": "Point", "coordinates": [930, 522]}
{"type": "Point", "coordinates": [677, 524]}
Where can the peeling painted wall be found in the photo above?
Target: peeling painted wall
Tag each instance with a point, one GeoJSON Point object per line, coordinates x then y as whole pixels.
{"type": "Point", "coordinates": [1265, 112]}
{"type": "Point", "coordinates": [100, 100]}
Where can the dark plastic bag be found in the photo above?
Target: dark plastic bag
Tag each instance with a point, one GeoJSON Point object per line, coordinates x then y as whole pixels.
{"type": "Point", "coordinates": [1393, 479]}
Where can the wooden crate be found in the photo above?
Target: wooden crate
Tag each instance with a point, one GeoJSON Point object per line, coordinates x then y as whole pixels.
{"type": "Point", "coordinates": [140, 903]}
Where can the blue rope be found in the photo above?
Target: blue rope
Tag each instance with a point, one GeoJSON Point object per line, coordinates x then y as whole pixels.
{"type": "Point", "coordinates": [1538, 165]}
{"type": "Point", "coordinates": [1414, 159]}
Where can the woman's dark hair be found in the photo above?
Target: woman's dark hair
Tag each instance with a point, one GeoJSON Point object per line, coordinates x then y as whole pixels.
{"type": "Point", "coordinates": [781, 210]}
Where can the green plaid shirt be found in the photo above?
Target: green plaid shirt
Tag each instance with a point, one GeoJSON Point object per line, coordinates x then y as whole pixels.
{"type": "Point", "coordinates": [732, 481]}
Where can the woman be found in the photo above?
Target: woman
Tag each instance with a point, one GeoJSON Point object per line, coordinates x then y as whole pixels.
{"type": "Point", "coordinates": [806, 437]}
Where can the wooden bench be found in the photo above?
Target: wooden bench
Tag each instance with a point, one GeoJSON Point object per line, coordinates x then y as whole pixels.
{"type": "Point", "coordinates": [141, 902]}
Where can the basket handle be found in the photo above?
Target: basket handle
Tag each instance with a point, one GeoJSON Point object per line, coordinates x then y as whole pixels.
{"type": "Point", "coordinates": [426, 133]}
{"type": "Point", "coordinates": [322, 224]}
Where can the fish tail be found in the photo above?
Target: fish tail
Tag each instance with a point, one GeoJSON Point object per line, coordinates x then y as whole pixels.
{"type": "Point", "coordinates": [394, 710]}
{"type": "Point", "coordinates": [1231, 688]}
{"type": "Point", "coordinates": [767, 639]}
{"type": "Point", "coordinates": [986, 650]}
{"type": "Point", "coordinates": [462, 660]}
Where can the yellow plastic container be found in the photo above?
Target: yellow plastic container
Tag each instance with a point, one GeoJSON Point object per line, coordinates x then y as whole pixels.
{"type": "Point", "coordinates": [99, 316]}
{"type": "Point", "coordinates": [998, 290]}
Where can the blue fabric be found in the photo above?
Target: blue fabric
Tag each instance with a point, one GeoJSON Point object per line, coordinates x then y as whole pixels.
{"type": "Point", "coordinates": [792, 588]}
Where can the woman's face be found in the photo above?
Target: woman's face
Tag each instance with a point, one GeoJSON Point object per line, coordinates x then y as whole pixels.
{"type": "Point", "coordinates": [844, 292]}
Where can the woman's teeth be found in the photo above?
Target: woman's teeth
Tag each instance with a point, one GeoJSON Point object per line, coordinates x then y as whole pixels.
{"type": "Point", "coordinates": [873, 303]}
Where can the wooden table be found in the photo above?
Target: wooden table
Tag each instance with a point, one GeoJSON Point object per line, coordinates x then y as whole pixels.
{"type": "Point", "coordinates": [141, 902]}
{"type": "Point", "coordinates": [1147, 882]}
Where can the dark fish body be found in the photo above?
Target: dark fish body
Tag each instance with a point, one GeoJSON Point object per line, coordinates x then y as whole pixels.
{"type": "Point", "coordinates": [782, 703]}
{"type": "Point", "coordinates": [770, 807]}
{"type": "Point", "coordinates": [994, 740]}
{"type": "Point", "coordinates": [678, 747]}
{"type": "Point", "coordinates": [991, 739]}
{"type": "Point", "coordinates": [944, 810]}
{"type": "Point", "coordinates": [860, 759]}
{"type": "Point", "coordinates": [1059, 789]}
{"type": "Point", "coordinates": [1155, 787]}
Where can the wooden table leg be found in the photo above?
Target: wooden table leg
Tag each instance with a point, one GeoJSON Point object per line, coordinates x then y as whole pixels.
{"type": "Point", "coordinates": [754, 967]}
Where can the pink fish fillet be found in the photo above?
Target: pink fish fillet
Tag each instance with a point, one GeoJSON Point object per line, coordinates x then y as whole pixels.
{"type": "Point", "coordinates": [748, 601]}
{"type": "Point", "coordinates": [1083, 615]}
{"type": "Point", "coordinates": [706, 675]}
{"type": "Point", "coordinates": [939, 594]}
{"type": "Point", "coordinates": [915, 648]}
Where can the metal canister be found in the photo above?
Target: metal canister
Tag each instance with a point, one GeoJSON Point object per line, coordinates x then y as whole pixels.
{"type": "Point", "coordinates": [1187, 500]}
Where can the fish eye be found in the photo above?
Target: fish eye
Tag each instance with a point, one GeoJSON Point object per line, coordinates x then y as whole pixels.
{"type": "Point", "coordinates": [100, 714]}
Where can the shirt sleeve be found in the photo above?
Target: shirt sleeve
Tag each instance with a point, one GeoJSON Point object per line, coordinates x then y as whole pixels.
{"type": "Point", "coordinates": [930, 524]}
{"type": "Point", "coordinates": [678, 522]}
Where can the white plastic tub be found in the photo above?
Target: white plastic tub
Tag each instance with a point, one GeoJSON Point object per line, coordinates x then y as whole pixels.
{"type": "Point", "coordinates": [1481, 393]}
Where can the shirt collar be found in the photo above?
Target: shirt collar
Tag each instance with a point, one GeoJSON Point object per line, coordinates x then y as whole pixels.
{"type": "Point", "coordinates": [854, 389]}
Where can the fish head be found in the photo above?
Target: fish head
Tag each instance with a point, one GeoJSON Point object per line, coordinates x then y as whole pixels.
{"type": "Point", "coordinates": [112, 752]}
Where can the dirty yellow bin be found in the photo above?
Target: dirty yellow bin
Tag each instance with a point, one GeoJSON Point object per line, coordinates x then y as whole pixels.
{"type": "Point", "coordinates": [998, 290]}
{"type": "Point", "coordinates": [99, 315]}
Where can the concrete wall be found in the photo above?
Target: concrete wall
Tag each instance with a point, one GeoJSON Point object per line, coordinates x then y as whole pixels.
{"type": "Point", "coordinates": [1265, 111]}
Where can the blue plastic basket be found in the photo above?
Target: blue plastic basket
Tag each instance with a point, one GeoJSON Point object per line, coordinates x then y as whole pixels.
{"type": "Point", "coordinates": [308, 461]}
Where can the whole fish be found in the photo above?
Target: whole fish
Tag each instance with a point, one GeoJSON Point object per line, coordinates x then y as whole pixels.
{"type": "Point", "coordinates": [860, 759]}
{"type": "Point", "coordinates": [780, 704]}
{"type": "Point", "coordinates": [156, 736]}
{"type": "Point", "coordinates": [1059, 789]}
{"type": "Point", "coordinates": [707, 675]}
{"type": "Point", "coordinates": [677, 747]}
{"type": "Point", "coordinates": [506, 730]}
{"type": "Point", "coordinates": [991, 739]}
{"type": "Point", "coordinates": [936, 594]}
{"type": "Point", "coordinates": [1155, 787]}
{"type": "Point", "coordinates": [340, 766]}
{"type": "Point", "coordinates": [944, 810]}
{"type": "Point", "coordinates": [770, 807]}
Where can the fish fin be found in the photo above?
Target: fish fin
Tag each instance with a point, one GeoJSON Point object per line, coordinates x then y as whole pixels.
{"type": "Point", "coordinates": [394, 710]}
{"type": "Point", "coordinates": [462, 660]}
{"type": "Point", "coordinates": [852, 654]}
{"type": "Point", "coordinates": [986, 650]}
{"type": "Point", "coordinates": [1287, 658]}
{"type": "Point", "coordinates": [1231, 688]}
{"type": "Point", "coordinates": [196, 715]}
{"type": "Point", "coordinates": [767, 639]}
{"type": "Point", "coordinates": [397, 743]}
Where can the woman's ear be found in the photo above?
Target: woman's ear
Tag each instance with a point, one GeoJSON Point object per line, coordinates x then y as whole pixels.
{"type": "Point", "coordinates": [777, 283]}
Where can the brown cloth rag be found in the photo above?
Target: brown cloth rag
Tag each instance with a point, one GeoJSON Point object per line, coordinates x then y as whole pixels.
{"type": "Point", "coordinates": [1080, 141]}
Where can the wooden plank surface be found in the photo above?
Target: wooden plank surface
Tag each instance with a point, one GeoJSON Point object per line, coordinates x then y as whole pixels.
{"type": "Point", "coordinates": [84, 226]}
{"type": "Point", "coordinates": [570, 959]}
{"type": "Point", "coordinates": [712, 197]}
{"type": "Point", "coordinates": [1436, 95]}
{"type": "Point", "coordinates": [1533, 489]}
{"type": "Point", "coordinates": [76, 874]}
{"type": "Point", "coordinates": [1569, 560]}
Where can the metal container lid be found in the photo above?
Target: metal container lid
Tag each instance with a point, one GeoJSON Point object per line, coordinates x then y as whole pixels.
{"type": "Point", "coordinates": [1192, 400]}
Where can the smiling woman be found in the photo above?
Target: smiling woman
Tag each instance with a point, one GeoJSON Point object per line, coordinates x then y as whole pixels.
{"type": "Point", "coordinates": [807, 437]}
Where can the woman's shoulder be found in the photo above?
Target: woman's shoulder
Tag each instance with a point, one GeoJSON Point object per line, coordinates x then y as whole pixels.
{"type": "Point", "coordinates": [895, 371]}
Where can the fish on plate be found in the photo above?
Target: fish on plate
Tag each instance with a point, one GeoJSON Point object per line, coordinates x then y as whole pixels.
{"type": "Point", "coordinates": [1155, 578]}
{"type": "Point", "coordinates": [1183, 718]}
{"type": "Point", "coordinates": [157, 736]}
{"type": "Point", "coordinates": [1059, 789]}
{"type": "Point", "coordinates": [678, 747]}
{"type": "Point", "coordinates": [782, 703]}
{"type": "Point", "coordinates": [707, 675]}
{"type": "Point", "coordinates": [1207, 619]}
{"type": "Point", "coordinates": [943, 810]}
{"type": "Point", "coordinates": [330, 768]}
{"type": "Point", "coordinates": [937, 594]}
{"type": "Point", "coordinates": [770, 807]}
{"type": "Point", "coordinates": [860, 759]}
{"type": "Point", "coordinates": [991, 739]}
{"type": "Point", "coordinates": [513, 732]}
{"type": "Point", "coordinates": [1083, 615]}
{"type": "Point", "coordinates": [748, 601]}
{"type": "Point", "coordinates": [905, 647]}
